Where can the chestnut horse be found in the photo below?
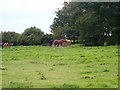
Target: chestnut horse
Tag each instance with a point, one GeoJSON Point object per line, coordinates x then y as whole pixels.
{"type": "Point", "coordinates": [7, 45]}
{"type": "Point", "coordinates": [58, 42]}
{"type": "Point", "coordinates": [66, 43]}
{"type": "Point", "coordinates": [61, 42]}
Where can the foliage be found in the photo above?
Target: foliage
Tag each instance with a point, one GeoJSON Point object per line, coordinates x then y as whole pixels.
{"type": "Point", "coordinates": [92, 23]}
{"type": "Point", "coordinates": [11, 37]}
{"type": "Point", "coordinates": [46, 39]}
{"type": "Point", "coordinates": [88, 23]}
{"type": "Point", "coordinates": [31, 36]}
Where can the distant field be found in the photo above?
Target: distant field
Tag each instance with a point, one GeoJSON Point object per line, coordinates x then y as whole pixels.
{"type": "Point", "coordinates": [68, 67]}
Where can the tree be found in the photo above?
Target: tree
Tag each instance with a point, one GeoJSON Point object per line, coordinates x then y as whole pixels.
{"type": "Point", "coordinates": [31, 36]}
{"type": "Point", "coordinates": [11, 37]}
{"type": "Point", "coordinates": [109, 15]}
{"type": "Point", "coordinates": [91, 30]}
{"type": "Point", "coordinates": [90, 23]}
{"type": "Point", "coordinates": [47, 39]}
{"type": "Point", "coordinates": [64, 21]}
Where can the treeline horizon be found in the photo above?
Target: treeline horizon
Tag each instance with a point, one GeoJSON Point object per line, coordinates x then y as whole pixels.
{"type": "Point", "coordinates": [30, 36]}
{"type": "Point", "coordinates": [87, 23]}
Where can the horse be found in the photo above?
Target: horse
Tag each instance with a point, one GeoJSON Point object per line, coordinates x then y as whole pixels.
{"type": "Point", "coordinates": [7, 45]}
{"type": "Point", "coordinates": [51, 42]}
{"type": "Point", "coordinates": [61, 42]}
{"type": "Point", "coordinates": [66, 43]}
{"type": "Point", "coordinates": [58, 42]}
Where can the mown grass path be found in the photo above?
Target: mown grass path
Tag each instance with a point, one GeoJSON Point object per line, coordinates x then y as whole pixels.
{"type": "Point", "coordinates": [68, 67]}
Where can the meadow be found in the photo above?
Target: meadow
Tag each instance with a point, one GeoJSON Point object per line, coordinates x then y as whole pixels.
{"type": "Point", "coordinates": [57, 67]}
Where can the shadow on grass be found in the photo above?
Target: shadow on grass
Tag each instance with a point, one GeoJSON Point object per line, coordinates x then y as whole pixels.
{"type": "Point", "coordinates": [67, 86]}
{"type": "Point", "coordinates": [18, 85]}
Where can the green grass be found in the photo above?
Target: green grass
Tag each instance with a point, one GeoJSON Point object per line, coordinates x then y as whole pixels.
{"type": "Point", "coordinates": [68, 67]}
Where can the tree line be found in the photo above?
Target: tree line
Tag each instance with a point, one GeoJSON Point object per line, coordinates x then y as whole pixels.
{"type": "Point", "coordinates": [31, 36]}
{"type": "Point", "coordinates": [87, 23]}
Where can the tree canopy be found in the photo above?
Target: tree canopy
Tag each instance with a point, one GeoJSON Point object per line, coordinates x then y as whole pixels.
{"type": "Point", "coordinates": [90, 23]}
{"type": "Point", "coordinates": [30, 36]}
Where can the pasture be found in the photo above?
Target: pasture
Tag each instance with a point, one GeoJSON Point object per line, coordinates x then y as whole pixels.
{"type": "Point", "coordinates": [69, 67]}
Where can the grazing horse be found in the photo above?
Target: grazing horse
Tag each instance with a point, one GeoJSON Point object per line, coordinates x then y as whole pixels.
{"type": "Point", "coordinates": [5, 45]}
{"type": "Point", "coordinates": [66, 43]}
{"type": "Point", "coordinates": [61, 42]}
{"type": "Point", "coordinates": [51, 42]}
{"type": "Point", "coordinates": [58, 42]}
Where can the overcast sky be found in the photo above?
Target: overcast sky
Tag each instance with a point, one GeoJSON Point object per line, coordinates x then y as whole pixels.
{"type": "Point", "coordinates": [17, 15]}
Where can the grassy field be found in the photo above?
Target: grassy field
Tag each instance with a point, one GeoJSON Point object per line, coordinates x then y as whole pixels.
{"type": "Point", "coordinates": [68, 67]}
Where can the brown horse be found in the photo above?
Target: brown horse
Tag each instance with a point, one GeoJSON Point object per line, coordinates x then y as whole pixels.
{"type": "Point", "coordinates": [7, 45]}
{"type": "Point", "coordinates": [61, 42]}
{"type": "Point", "coordinates": [58, 42]}
{"type": "Point", "coordinates": [66, 43]}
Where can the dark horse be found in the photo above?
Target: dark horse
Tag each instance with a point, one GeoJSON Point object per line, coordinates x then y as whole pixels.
{"type": "Point", "coordinates": [58, 42]}
{"type": "Point", "coordinates": [51, 42]}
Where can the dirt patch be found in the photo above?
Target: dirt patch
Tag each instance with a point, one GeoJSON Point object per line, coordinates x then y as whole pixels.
{"type": "Point", "coordinates": [3, 68]}
{"type": "Point", "coordinates": [33, 62]}
{"type": "Point", "coordinates": [59, 64]}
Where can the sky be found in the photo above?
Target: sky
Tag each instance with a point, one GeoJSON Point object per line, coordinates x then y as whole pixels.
{"type": "Point", "coordinates": [17, 15]}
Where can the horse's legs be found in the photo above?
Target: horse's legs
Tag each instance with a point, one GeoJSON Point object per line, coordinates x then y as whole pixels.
{"type": "Point", "coordinates": [57, 44]}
